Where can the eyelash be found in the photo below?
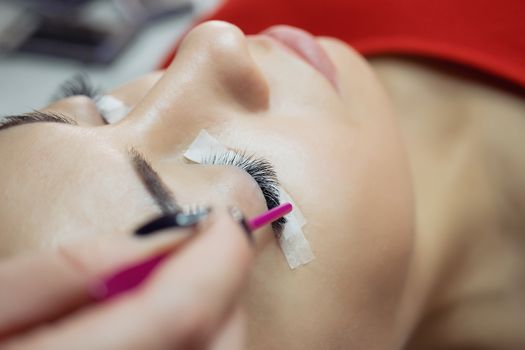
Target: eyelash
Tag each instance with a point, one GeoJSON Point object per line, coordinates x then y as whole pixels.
{"type": "Point", "coordinates": [260, 170]}
{"type": "Point", "coordinates": [80, 85]}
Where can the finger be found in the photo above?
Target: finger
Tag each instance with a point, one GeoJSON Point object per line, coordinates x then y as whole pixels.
{"type": "Point", "coordinates": [232, 336]}
{"type": "Point", "coordinates": [181, 305]}
{"type": "Point", "coordinates": [42, 286]}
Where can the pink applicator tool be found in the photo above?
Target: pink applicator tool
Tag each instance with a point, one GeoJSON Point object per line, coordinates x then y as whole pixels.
{"type": "Point", "coordinates": [270, 216]}
{"type": "Point", "coordinates": [132, 276]}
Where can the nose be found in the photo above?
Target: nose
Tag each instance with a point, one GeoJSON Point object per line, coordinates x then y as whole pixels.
{"type": "Point", "coordinates": [213, 73]}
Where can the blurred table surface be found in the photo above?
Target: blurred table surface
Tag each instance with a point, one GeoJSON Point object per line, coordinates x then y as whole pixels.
{"type": "Point", "coordinates": [27, 81]}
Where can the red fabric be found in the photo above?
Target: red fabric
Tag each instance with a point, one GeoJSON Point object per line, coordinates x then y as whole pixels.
{"type": "Point", "coordinates": [485, 34]}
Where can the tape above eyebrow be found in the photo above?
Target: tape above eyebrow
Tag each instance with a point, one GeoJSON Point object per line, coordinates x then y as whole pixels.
{"type": "Point", "coordinates": [293, 243]}
{"type": "Point", "coordinates": [112, 108]}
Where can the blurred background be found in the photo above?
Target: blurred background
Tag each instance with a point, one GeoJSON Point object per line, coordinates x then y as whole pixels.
{"type": "Point", "coordinates": [45, 42]}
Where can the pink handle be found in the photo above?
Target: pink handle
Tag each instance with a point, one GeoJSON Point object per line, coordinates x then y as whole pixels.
{"type": "Point", "coordinates": [132, 276]}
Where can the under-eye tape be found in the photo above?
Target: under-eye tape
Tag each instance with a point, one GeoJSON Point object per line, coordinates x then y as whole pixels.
{"type": "Point", "coordinates": [112, 108]}
{"type": "Point", "coordinates": [292, 241]}
{"type": "Point", "coordinates": [294, 244]}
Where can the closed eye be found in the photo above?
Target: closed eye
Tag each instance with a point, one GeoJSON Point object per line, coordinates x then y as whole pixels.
{"type": "Point", "coordinates": [261, 170]}
{"type": "Point", "coordinates": [81, 85]}
{"type": "Point", "coordinates": [78, 85]}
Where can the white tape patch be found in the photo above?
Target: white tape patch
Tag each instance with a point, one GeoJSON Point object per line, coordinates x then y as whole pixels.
{"type": "Point", "coordinates": [112, 108]}
{"type": "Point", "coordinates": [294, 244]}
{"type": "Point", "coordinates": [203, 145]}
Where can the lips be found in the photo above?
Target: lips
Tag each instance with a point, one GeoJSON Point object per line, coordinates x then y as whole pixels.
{"type": "Point", "coordinates": [306, 47]}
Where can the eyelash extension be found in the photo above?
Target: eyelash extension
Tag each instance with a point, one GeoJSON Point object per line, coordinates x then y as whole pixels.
{"type": "Point", "coordinates": [260, 170]}
{"type": "Point", "coordinates": [78, 85]}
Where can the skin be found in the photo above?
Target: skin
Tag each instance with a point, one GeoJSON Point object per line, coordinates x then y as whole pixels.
{"type": "Point", "coordinates": [54, 309]}
{"type": "Point", "coordinates": [463, 134]}
{"type": "Point", "coordinates": [393, 242]}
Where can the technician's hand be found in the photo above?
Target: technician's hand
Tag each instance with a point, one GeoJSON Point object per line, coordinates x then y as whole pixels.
{"type": "Point", "coordinates": [190, 301]}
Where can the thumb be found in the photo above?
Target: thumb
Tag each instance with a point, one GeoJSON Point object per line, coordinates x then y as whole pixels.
{"type": "Point", "coordinates": [44, 285]}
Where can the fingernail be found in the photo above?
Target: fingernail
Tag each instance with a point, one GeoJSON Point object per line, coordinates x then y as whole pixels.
{"type": "Point", "coordinates": [237, 216]}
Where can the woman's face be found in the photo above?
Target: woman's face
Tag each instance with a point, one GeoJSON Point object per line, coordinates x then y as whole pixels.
{"type": "Point", "coordinates": [332, 140]}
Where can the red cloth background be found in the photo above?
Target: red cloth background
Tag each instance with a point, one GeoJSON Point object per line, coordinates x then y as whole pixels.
{"type": "Point", "coordinates": [485, 34]}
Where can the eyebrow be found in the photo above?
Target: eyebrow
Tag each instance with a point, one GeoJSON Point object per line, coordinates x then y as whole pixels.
{"type": "Point", "coordinates": [34, 117]}
{"type": "Point", "coordinates": [157, 188]}
{"type": "Point", "coordinates": [154, 185]}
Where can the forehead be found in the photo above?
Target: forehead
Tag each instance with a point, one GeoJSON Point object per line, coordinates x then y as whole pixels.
{"type": "Point", "coordinates": [58, 181]}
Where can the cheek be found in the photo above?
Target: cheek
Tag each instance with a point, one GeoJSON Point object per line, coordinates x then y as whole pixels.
{"type": "Point", "coordinates": [381, 222]}
{"type": "Point", "coordinates": [359, 209]}
{"type": "Point", "coordinates": [296, 89]}
{"type": "Point", "coordinates": [363, 230]}
{"type": "Point", "coordinates": [360, 88]}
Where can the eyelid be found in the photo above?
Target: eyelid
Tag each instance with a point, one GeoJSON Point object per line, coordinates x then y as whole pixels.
{"type": "Point", "coordinates": [260, 169]}
{"type": "Point", "coordinates": [78, 85]}
{"type": "Point", "coordinates": [81, 85]}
